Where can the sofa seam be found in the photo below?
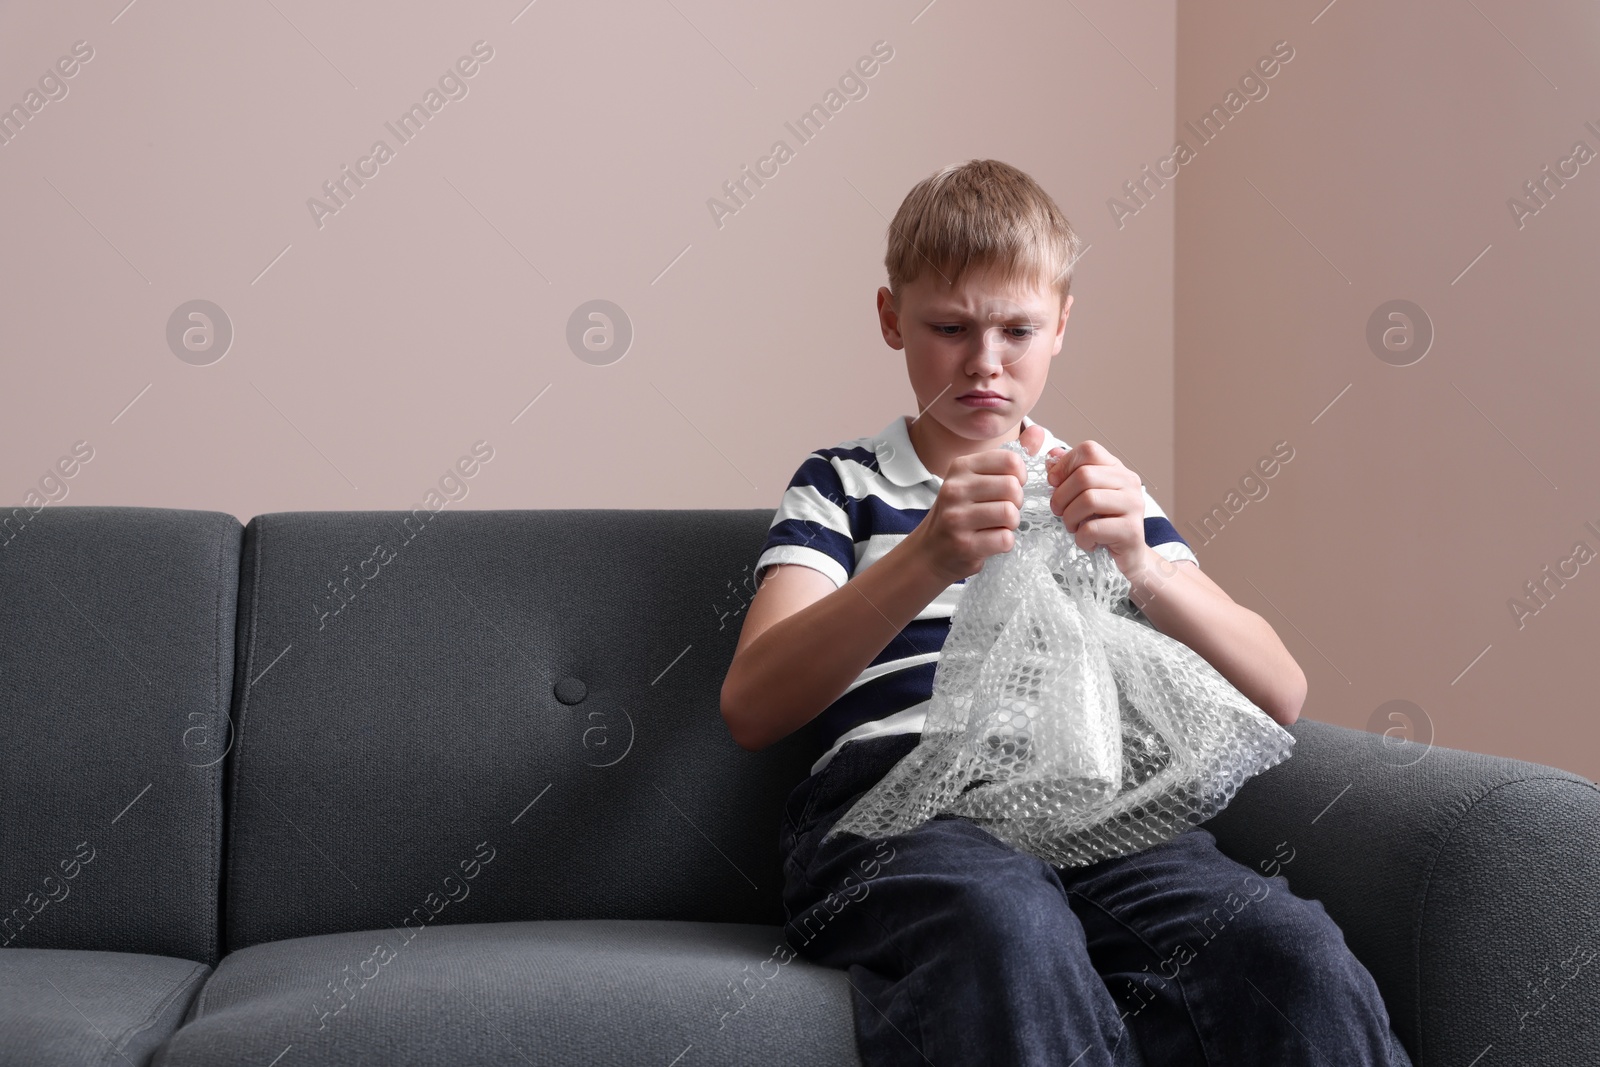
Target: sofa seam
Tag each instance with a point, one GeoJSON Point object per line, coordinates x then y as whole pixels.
{"type": "Point", "coordinates": [183, 983]}
{"type": "Point", "coordinates": [232, 793]}
{"type": "Point", "coordinates": [1427, 886]}
{"type": "Point", "coordinates": [200, 1001]}
{"type": "Point", "coordinates": [214, 949]}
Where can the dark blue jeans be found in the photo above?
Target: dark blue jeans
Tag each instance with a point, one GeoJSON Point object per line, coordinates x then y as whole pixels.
{"type": "Point", "coordinates": [961, 949]}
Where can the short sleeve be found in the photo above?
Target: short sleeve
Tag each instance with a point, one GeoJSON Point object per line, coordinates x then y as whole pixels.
{"type": "Point", "coordinates": [812, 524]}
{"type": "Point", "coordinates": [1161, 535]}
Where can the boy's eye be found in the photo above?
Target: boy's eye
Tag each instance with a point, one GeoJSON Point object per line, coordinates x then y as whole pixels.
{"type": "Point", "coordinates": [1019, 332]}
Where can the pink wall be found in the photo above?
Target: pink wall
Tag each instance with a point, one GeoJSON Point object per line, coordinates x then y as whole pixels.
{"type": "Point", "coordinates": [373, 346]}
{"type": "Point", "coordinates": [1422, 502]}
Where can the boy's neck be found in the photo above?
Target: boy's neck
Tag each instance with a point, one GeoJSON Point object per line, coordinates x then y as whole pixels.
{"type": "Point", "coordinates": [937, 447]}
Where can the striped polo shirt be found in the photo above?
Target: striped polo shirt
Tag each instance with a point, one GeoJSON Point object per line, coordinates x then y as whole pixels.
{"type": "Point", "coordinates": [842, 511]}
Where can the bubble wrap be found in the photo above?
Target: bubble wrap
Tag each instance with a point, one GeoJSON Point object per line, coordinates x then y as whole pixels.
{"type": "Point", "coordinates": [1062, 721]}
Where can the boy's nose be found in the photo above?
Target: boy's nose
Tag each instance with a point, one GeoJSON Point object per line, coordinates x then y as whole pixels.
{"type": "Point", "coordinates": [991, 354]}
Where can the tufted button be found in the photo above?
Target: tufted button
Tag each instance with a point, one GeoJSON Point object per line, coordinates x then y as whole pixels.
{"type": "Point", "coordinates": [571, 690]}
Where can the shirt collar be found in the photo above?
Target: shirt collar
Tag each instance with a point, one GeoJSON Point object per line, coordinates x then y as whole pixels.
{"type": "Point", "coordinates": [898, 459]}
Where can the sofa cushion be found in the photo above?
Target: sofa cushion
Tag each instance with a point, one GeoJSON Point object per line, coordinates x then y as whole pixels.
{"type": "Point", "coordinates": [593, 992]}
{"type": "Point", "coordinates": [116, 661]}
{"type": "Point", "coordinates": [69, 1006]}
{"type": "Point", "coordinates": [417, 689]}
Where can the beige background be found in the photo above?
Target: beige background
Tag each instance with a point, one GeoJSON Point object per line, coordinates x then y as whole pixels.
{"type": "Point", "coordinates": [1223, 317]}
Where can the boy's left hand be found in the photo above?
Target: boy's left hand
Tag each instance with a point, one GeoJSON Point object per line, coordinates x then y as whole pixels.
{"type": "Point", "coordinates": [1100, 501]}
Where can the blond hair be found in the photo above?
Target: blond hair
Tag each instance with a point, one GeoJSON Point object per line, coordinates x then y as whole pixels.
{"type": "Point", "coordinates": [981, 215]}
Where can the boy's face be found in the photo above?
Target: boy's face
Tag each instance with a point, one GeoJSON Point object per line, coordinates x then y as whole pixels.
{"type": "Point", "coordinates": [976, 336]}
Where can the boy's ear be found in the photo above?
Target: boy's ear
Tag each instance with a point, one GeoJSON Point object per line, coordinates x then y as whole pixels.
{"type": "Point", "coordinates": [889, 318]}
{"type": "Point", "coordinates": [1061, 325]}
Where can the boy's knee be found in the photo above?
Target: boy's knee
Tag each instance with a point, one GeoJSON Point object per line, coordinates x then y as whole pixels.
{"type": "Point", "coordinates": [1297, 947]}
{"type": "Point", "coordinates": [1008, 910]}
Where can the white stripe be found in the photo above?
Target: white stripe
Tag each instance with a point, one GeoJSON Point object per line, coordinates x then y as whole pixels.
{"type": "Point", "coordinates": [878, 670]}
{"type": "Point", "coordinates": [807, 502]}
{"type": "Point", "coordinates": [1176, 550]}
{"type": "Point", "coordinates": [814, 558]}
{"type": "Point", "coordinates": [1152, 510]}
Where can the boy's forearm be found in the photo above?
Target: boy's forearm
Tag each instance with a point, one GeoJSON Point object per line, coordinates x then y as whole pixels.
{"type": "Point", "coordinates": [1238, 642]}
{"type": "Point", "coordinates": [796, 668]}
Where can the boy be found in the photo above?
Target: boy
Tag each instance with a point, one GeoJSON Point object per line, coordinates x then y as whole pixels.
{"type": "Point", "coordinates": [959, 948]}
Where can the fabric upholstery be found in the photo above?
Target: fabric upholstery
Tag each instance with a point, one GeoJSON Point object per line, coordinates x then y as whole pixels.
{"type": "Point", "coordinates": [116, 661]}
{"type": "Point", "coordinates": [1466, 883]}
{"type": "Point", "coordinates": [68, 1007]}
{"type": "Point", "coordinates": [559, 992]}
{"type": "Point", "coordinates": [427, 712]}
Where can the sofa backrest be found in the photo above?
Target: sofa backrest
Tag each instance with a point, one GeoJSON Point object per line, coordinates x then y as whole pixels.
{"type": "Point", "coordinates": [116, 661]}
{"type": "Point", "coordinates": [482, 716]}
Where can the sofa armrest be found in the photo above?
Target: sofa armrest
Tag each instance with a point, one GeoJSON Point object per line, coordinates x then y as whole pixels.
{"type": "Point", "coordinates": [1468, 884]}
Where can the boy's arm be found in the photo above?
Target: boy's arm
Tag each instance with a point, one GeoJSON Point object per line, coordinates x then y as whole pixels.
{"type": "Point", "coordinates": [804, 641]}
{"type": "Point", "coordinates": [1185, 604]}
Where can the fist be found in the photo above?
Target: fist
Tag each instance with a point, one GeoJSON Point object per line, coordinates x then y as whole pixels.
{"type": "Point", "coordinates": [977, 511]}
{"type": "Point", "coordinates": [1100, 501]}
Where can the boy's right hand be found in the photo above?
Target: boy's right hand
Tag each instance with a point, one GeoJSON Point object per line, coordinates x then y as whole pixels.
{"type": "Point", "coordinates": [977, 510]}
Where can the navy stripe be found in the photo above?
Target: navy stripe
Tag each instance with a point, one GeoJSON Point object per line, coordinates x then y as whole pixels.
{"type": "Point", "coordinates": [1160, 531]}
{"type": "Point", "coordinates": [877, 516]}
{"type": "Point", "coordinates": [877, 699]}
{"type": "Point", "coordinates": [820, 475]}
{"type": "Point", "coordinates": [814, 535]}
{"type": "Point", "coordinates": [920, 637]}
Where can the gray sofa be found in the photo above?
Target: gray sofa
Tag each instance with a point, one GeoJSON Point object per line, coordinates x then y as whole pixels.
{"type": "Point", "coordinates": [384, 787]}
